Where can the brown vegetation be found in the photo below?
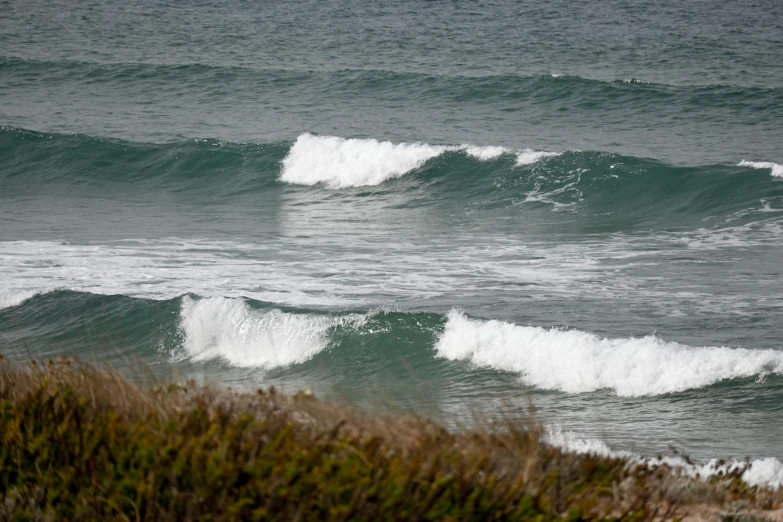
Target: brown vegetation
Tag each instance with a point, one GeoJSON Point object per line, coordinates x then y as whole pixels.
{"type": "Point", "coordinates": [79, 443]}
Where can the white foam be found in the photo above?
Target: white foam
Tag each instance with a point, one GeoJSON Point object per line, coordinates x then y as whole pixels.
{"type": "Point", "coordinates": [575, 443]}
{"type": "Point", "coordinates": [412, 270]}
{"type": "Point", "coordinates": [576, 362]}
{"type": "Point", "coordinates": [524, 156]}
{"type": "Point", "coordinates": [9, 298]}
{"type": "Point", "coordinates": [767, 472]}
{"type": "Point", "coordinates": [228, 329]}
{"type": "Point", "coordinates": [759, 472]}
{"type": "Point", "coordinates": [340, 162]}
{"type": "Point", "coordinates": [529, 156]}
{"type": "Point", "coordinates": [484, 153]}
{"type": "Point", "coordinates": [777, 170]}
{"type": "Point", "coordinates": [168, 268]}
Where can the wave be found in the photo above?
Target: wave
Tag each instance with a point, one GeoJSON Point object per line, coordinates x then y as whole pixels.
{"type": "Point", "coordinates": [504, 84]}
{"type": "Point", "coordinates": [572, 361]}
{"type": "Point", "coordinates": [15, 61]}
{"type": "Point", "coordinates": [576, 443]}
{"type": "Point", "coordinates": [758, 472]}
{"type": "Point", "coordinates": [250, 334]}
{"type": "Point", "coordinates": [85, 161]}
{"type": "Point", "coordinates": [10, 298]}
{"type": "Point", "coordinates": [496, 104]}
{"type": "Point", "coordinates": [776, 169]}
{"type": "Point", "coordinates": [766, 472]}
{"type": "Point", "coordinates": [528, 157]}
{"type": "Point", "coordinates": [609, 191]}
{"type": "Point", "coordinates": [229, 330]}
{"type": "Point", "coordinates": [339, 162]}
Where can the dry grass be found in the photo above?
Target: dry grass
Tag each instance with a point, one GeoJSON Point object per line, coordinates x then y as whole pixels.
{"type": "Point", "coordinates": [80, 443]}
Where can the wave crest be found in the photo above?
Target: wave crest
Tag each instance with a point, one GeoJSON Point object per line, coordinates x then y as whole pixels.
{"type": "Point", "coordinates": [576, 362]}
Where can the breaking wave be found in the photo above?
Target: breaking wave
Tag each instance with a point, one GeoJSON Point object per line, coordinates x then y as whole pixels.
{"type": "Point", "coordinates": [339, 162]}
{"type": "Point", "coordinates": [229, 330]}
{"type": "Point", "coordinates": [577, 362]}
{"type": "Point", "coordinates": [776, 169]}
{"type": "Point", "coordinates": [10, 298]}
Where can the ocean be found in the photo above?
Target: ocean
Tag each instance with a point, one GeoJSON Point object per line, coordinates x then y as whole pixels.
{"type": "Point", "coordinates": [460, 209]}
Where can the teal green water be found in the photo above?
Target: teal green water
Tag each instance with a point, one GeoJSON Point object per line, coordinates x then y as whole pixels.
{"type": "Point", "coordinates": [442, 207]}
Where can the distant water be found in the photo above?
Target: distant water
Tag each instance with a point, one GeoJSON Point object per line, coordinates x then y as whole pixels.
{"type": "Point", "coordinates": [446, 207]}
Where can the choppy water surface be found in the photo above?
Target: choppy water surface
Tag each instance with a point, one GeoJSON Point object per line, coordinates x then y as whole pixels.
{"type": "Point", "coordinates": [452, 208]}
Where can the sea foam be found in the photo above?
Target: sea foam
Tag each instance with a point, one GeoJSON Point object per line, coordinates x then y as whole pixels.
{"type": "Point", "coordinates": [576, 362]}
{"type": "Point", "coordinates": [230, 330]}
{"type": "Point", "coordinates": [340, 162]}
{"type": "Point", "coordinates": [777, 170]}
{"type": "Point", "coordinates": [528, 156]}
{"type": "Point", "coordinates": [9, 298]}
{"type": "Point", "coordinates": [484, 153]}
{"type": "Point", "coordinates": [576, 443]}
{"type": "Point", "coordinates": [758, 472]}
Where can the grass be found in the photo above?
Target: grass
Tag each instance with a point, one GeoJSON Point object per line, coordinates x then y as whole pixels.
{"type": "Point", "coordinates": [82, 443]}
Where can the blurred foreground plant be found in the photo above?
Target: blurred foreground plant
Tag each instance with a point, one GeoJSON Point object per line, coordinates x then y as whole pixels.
{"type": "Point", "coordinates": [80, 443]}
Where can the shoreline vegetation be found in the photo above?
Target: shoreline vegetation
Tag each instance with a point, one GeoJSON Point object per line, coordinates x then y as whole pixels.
{"type": "Point", "coordinates": [81, 442]}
